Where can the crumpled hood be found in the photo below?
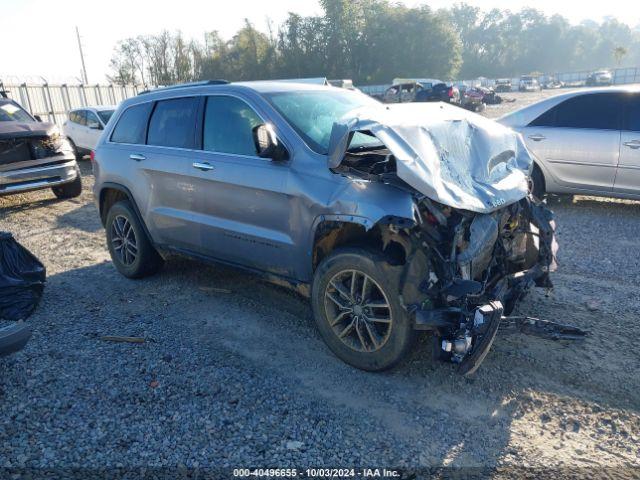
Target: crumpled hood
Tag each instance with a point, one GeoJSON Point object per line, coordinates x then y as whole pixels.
{"type": "Point", "coordinates": [26, 129]}
{"type": "Point", "coordinates": [451, 155]}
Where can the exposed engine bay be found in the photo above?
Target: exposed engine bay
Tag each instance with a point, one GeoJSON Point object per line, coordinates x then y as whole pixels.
{"type": "Point", "coordinates": [478, 242]}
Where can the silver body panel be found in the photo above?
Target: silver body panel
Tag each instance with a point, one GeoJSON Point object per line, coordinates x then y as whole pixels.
{"type": "Point", "coordinates": [574, 160]}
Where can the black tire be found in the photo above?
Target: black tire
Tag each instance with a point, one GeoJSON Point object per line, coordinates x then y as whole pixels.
{"type": "Point", "coordinates": [400, 337]}
{"type": "Point", "coordinates": [536, 183]}
{"type": "Point", "coordinates": [146, 259]}
{"type": "Point", "coordinates": [76, 153]}
{"type": "Point", "coordinates": [69, 190]}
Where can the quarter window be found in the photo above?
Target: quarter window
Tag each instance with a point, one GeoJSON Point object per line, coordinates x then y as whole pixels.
{"type": "Point", "coordinates": [173, 123]}
{"type": "Point", "coordinates": [132, 125]}
{"type": "Point", "coordinates": [228, 126]}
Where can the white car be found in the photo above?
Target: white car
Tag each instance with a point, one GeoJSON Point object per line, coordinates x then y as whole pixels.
{"type": "Point", "coordinates": [84, 127]}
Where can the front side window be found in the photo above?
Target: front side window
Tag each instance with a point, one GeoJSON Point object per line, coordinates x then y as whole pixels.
{"type": "Point", "coordinates": [173, 123]}
{"type": "Point", "coordinates": [592, 111]}
{"type": "Point", "coordinates": [92, 119]}
{"type": "Point", "coordinates": [11, 112]}
{"type": "Point", "coordinates": [132, 125]}
{"type": "Point", "coordinates": [105, 115]}
{"type": "Point", "coordinates": [228, 126]}
{"type": "Point", "coordinates": [313, 113]}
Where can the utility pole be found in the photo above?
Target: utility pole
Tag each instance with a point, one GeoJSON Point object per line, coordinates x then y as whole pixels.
{"type": "Point", "coordinates": [85, 79]}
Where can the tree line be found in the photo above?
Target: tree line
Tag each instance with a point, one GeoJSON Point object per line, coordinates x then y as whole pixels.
{"type": "Point", "coordinates": [373, 41]}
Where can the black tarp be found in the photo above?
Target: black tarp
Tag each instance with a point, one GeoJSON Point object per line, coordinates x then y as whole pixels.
{"type": "Point", "coordinates": [22, 279]}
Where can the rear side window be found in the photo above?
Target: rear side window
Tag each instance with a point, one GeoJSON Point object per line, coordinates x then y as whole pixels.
{"type": "Point", "coordinates": [173, 123]}
{"type": "Point", "coordinates": [132, 125]}
{"type": "Point", "coordinates": [632, 120]}
{"type": "Point", "coordinates": [596, 111]}
{"type": "Point", "coordinates": [228, 125]}
{"type": "Point", "coordinates": [78, 117]}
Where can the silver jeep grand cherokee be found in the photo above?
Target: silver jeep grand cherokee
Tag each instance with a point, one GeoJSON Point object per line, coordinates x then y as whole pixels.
{"type": "Point", "coordinates": [393, 219]}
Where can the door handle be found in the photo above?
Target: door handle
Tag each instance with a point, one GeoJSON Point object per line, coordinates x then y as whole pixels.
{"type": "Point", "coordinates": [204, 166]}
{"type": "Point", "coordinates": [137, 157]}
{"type": "Point", "coordinates": [537, 137]}
{"type": "Point", "coordinates": [635, 144]}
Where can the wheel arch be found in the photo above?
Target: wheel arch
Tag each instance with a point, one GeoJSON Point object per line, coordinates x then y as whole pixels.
{"type": "Point", "coordinates": [110, 194]}
{"type": "Point", "coordinates": [331, 232]}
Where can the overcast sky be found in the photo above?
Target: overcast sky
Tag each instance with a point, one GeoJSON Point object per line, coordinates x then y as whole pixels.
{"type": "Point", "coordinates": [38, 36]}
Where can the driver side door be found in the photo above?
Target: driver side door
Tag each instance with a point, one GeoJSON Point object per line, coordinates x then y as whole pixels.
{"type": "Point", "coordinates": [240, 207]}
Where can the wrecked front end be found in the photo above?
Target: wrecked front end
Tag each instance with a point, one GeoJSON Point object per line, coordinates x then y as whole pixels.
{"type": "Point", "coordinates": [477, 241]}
{"type": "Point", "coordinates": [467, 270]}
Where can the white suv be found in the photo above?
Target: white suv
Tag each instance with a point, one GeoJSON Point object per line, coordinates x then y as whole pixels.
{"type": "Point", "coordinates": [84, 127]}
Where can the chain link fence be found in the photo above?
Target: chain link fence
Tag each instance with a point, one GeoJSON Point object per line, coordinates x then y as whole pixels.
{"type": "Point", "coordinates": [53, 102]}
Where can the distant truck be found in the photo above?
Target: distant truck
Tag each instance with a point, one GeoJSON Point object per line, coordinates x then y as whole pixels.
{"type": "Point", "coordinates": [529, 83]}
{"type": "Point", "coordinates": [503, 85]}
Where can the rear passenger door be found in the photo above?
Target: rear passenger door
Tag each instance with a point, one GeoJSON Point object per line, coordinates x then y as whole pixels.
{"type": "Point", "coordinates": [628, 174]}
{"type": "Point", "coordinates": [579, 140]}
{"type": "Point", "coordinates": [239, 205]}
{"type": "Point", "coordinates": [152, 142]}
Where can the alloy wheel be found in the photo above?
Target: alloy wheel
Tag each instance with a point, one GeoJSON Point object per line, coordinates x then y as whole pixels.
{"type": "Point", "coordinates": [358, 311]}
{"type": "Point", "coordinates": [123, 240]}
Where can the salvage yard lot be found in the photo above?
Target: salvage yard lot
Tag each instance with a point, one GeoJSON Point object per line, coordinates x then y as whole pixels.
{"type": "Point", "coordinates": [233, 372]}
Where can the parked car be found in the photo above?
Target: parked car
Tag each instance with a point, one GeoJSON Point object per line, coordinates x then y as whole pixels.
{"type": "Point", "coordinates": [472, 98]}
{"type": "Point", "coordinates": [529, 84]}
{"type": "Point", "coordinates": [84, 127]}
{"type": "Point", "coordinates": [339, 195]}
{"type": "Point", "coordinates": [553, 83]}
{"type": "Point", "coordinates": [503, 85]}
{"type": "Point", "coordinates": [402, 92]}
{"type": "Point", "coordinates": [34, 155]}
{"type": "Point", "coordinates": [586, 141]}
{"type": "Point", "coordinates": [599, 78]}
{"type": "Point", "coordinates": [440, 92]}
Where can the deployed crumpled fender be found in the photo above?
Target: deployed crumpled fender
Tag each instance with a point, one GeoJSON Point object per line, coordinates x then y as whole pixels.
{"type": "Point", "coordinates": [451, 155]}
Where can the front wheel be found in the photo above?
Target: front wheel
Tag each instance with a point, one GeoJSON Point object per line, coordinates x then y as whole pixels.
{"type": "Point", "coordinates": [355, 299]}
{"type": "Point", "coordinates": [536, 183]}
{"type": "Point", "coordinates": [69, 190]}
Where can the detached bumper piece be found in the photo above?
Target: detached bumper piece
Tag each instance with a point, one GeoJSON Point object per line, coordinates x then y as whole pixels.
{"type": "Point", "coordinates": [542, 328]}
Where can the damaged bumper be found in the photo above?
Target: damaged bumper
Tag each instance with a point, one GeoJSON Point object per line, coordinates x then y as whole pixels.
{"type": "Point", "coordinates": [465, 297]}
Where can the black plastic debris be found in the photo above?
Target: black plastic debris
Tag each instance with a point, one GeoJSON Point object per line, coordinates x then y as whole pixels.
{"type": "Point", "coordinates": [22, 278]}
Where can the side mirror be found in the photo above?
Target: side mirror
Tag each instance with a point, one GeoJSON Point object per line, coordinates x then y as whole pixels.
{"type": "Point", "coordinates": [267, 144]}
{"type": "Point", "coordinates": [94, 126]}
{"type": "Point", "coordinates": [38, 118]}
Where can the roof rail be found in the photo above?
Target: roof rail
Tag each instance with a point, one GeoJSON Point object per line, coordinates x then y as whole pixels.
{"type": "Point", "coordinates": [187, 85]}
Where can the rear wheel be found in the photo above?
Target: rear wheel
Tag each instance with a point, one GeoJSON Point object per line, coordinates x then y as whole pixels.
{"type": "Point", "coordinates": [69, 190]}
{"type": "Point", "coordinates": [131, 250]}
{"type": "Point", "coordinates": [356, 306]}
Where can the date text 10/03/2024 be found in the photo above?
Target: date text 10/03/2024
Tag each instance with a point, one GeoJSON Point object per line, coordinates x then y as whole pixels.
{"type": "Point", "coordinates": [316, 473]}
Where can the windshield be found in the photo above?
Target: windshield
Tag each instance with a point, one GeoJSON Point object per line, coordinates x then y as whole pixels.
{"type": "Point", "coordinates": [11, 112]}
{"type": "Point", "coordinates": [105, 115]}
{"type": "Point", "coordinates": [313, 113]}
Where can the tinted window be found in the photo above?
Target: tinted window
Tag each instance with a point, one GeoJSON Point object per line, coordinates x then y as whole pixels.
{"type": "Point", "coordinates": [228, 125]}
{"type": "Point", "coordinates": [633, 113]}
{"type": "Point", "coordinates": [78, 117]}
{"type": "Point", "coordinates": [132, 125]}
{"type": "Point", "coordinates": [91, 118]}
{"type": "Point", "coordinates": [598, 111]}
{"type": "Point", "coordinates": [105, 115]}
{"type": "Point", "coordinates": [173, 123]}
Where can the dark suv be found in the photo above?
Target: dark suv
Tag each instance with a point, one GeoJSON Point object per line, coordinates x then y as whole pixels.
{"type": "Point", "coordinates": [393, 219]}
{"type": "Point", "coordinates": [33, 154]}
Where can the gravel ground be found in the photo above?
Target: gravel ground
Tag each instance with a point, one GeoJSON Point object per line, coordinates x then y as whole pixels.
{"type": "Point", "coordinates": [232, 372]}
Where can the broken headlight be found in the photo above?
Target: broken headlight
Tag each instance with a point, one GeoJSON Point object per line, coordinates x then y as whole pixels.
{"type": "Point", "coordinates": [50, 146]}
